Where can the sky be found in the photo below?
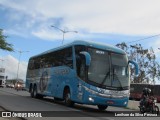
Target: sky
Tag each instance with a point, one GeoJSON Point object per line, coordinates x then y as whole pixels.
{"type": "Point", "coordinates": [27, 23]}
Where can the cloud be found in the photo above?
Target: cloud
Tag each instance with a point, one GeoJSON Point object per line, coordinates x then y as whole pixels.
{"type": "Point", "coordinates": [11, 66]}
{"type": "Point", "coordinates": [93, 19]}
{"type": "Point", "coordinates": [13, 32]}
{"type": "Point", "coordinates": [45, 34]}
{"type": "Point", "coordinates": [105, 16]}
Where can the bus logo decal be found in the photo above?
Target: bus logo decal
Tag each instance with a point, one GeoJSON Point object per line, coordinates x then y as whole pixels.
{"type": "Point", "coordinates": [43, 81]}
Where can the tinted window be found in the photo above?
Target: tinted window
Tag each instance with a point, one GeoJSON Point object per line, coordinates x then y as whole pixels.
{"type": "Point", "coordinates": [62, 58]}
{"type": "Point", "coordinates": [80, 63]}
{"type": "Point", "coordinates": [57, 58]}
{"type": "Point", "coordinates": [31, 65]}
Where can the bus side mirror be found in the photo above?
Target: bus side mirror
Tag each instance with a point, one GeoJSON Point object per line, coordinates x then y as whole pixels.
{"type": "Point", "coordinates": [136, 66]}
{"type": "Point", "coordinates": [87, 57]}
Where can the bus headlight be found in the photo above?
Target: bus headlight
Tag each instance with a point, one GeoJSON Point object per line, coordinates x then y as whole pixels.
{"type": "Point", "coordinates": [125, 103]}
{"type": "Point", "coordinates": [155, 100]}
{"type": "Point", "coordinates": [91, 99]}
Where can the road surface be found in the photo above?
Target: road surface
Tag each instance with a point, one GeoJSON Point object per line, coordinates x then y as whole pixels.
{"type": "Point", "coordinates": [20, 101]}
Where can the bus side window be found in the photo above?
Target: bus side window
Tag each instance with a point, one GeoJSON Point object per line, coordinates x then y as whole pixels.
{"type": "Point", "coordinates": [67, 58]}
{"type": "Point", "coordinates": [37, 63]}
{"type": "Point", "coordinates": [31, 64]}
{"type": "Point", "coordinates": [61, 58]}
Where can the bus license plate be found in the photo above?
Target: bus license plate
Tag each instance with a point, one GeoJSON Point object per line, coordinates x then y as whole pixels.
{"type": "Point", "coordinates": [110, 102]}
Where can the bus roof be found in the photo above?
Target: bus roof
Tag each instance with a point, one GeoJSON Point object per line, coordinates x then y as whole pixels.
{"type": "Point", "coordinates": [86, 43]}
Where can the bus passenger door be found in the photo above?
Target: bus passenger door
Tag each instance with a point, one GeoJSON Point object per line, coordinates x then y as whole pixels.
{"type": "Point", "coordinates": [81, 70]}
{"type": "Point", "coordinates": [80, 90]}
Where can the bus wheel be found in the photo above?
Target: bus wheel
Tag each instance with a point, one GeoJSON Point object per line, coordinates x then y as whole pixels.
{"type": "Point", "coordinates": [57, 99]}
{"type": "Point", "coordinates": [67, 98]}
{"type": "Point", "coordinates": [34, 92]}
{"type": "Point", "coordinates": [39, 96]}
{"type": "Point", "coordinates": [102, 107]}
{"type": "Point", "coordinates": [31, 92]}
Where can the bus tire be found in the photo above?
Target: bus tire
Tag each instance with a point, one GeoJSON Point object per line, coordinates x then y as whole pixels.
{"type": "Point", "coordinates": [67, 98]}
{"type": "Point", "coordinates": [31, 92]}
{"type": "Point", "coordinates": [57, 99]}
{"type": "Point", "coordinates": [39, 96]}
{"type": "Point", "coordinates": [34, 92]}
{"type": "Point", "coordinates": [102, 107]}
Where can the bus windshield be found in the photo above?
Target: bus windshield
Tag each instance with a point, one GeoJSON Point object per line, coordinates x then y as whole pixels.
{"type": "Point", "coordinates": [108, 70]}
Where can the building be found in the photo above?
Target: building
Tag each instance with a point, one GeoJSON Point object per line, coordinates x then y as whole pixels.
{"type": "Point", "coordinates": [2, 77]}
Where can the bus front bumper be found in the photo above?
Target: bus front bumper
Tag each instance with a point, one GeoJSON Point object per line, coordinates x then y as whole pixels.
{"type": "Point", "coordinates": [110, 100]}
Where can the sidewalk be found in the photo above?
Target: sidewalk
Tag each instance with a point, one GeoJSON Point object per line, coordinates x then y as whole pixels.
{"type": "Point", "coordinates": [134, 105]}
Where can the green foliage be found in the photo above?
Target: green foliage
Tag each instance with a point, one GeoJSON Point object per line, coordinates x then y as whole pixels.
{"type": "Point", "coordinates": [146, 59]}
{"type": "Point", "coordinates": [3, 44]}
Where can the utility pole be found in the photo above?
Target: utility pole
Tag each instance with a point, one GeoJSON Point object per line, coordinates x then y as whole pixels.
{"type": "Point", "coordinates": [63, 31]}
{"type": "Point", "coordinates": [2, 62]}
{"type": "Point", "coordinates": [20, 53]}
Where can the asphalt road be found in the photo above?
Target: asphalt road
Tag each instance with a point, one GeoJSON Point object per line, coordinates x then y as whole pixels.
{"type": "Point", "coordinates": [20, 101]}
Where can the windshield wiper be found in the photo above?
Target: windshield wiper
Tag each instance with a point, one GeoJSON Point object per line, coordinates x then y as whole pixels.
{"type": "Point", "coordinates": [114, 75]}
{"type": "Point", "coordinates": [105, 78]}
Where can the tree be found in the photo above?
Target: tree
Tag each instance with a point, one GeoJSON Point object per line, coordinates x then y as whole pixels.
{"type": "Point", "coordinates": [3, 44]}
{"type": "Point", "coordinates": [149, 69]}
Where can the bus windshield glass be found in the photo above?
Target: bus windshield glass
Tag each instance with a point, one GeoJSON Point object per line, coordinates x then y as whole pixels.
{"type": "Point", "coordinates": [108, 70]}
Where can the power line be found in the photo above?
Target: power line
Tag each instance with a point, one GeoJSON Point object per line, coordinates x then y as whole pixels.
{"type": "Point", "coordinates": [144, 38]}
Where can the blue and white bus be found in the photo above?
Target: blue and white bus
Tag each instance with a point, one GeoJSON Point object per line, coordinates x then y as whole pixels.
{"type": "Point", "coordinates": [82, 72]}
